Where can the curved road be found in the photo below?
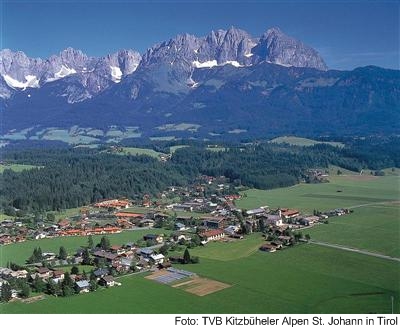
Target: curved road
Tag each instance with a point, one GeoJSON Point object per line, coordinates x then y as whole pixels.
{"type": "Point", "coordinates": [355, 250]}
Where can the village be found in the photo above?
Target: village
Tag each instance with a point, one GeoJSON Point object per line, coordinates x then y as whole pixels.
{"type": "Point", "coordinates": [191, 216]}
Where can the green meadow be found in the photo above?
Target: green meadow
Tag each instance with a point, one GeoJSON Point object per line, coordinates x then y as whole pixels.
{"type": "Point", "coordinates": [20, 252]}
{"type": "Point", "coordinates": [141, 151]}
{"type": "Point", "coordinates": [375, 228]}
{"type": "Point", "coordinates": [302, 279]}
{"type": "Point", "coordinates": [341, 191]}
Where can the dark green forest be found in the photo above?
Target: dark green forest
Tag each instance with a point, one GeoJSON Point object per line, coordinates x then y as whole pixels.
{"type": "Point", "coordinates": [71, 177]}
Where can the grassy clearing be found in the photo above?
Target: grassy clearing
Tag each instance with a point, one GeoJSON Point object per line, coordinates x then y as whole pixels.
{"type": "Point", "coordinates": [173, 149]}
{"type": "Point", "coordinates": [67, 268]}
{"type": "Point", "coordinates": [304, 279]}
{"type": "Point", "coordinates": [232, 250]}
{"type": "Point", "coordinates": [20, 252]}
{"type": "Point", "coordinates": [137, 209]}
{"type": "Point", "coordinates": [141, 151]}
{"type": "Point", "coordinates": [17, 167]}
{"type": "Point", "coordinates": [296, 141]}
{"type": "Point", "coordinates": [66, 213]}
{"type": "Point", "coordinates": [167, 138]}
{"type": "Point", "coordinates": [5, 217]}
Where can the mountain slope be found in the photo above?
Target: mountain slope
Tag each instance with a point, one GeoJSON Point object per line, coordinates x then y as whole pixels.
{"type": "Point", "coordinates": [225, 84]}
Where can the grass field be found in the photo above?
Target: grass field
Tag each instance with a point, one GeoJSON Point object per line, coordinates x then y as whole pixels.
{"type": "Point", "coordinates": [20, 252]}
{"type": "Point", "coordinates": [173, 149]}
{"type": "Point", "coordinates": [5, 217]}
{"type": "Point", "coordinates": [141, 151]}
{"type": "Point", "coordinates": [296, 141]}
{"type": "Point", "coordinates": [229, 251]}
{"type": "Point", "coordinates": [67, 213]}
{"type": "Point", "coordinates": [16, 167]}
{"type": "Point", "coordinates": [67, 268]}
{"type": "Point", "coordinates": [375, 228]}
{"type": "Point", "coordinates": [303, 279]}
{"type": "Point", "coordinates": [342, 191]}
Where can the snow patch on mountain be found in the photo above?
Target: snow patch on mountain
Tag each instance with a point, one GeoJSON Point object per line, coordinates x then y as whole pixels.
{"type": "Point", "coordinates": [64, 71]}
{"type": "Point", "coordinates": [206, 64]}
{"type": "Point", "coordinates": [31, 81]}
{"type": "Point", "coordinates": [116, 74]}
{"type": "Point", "coordinates": [233, 63]}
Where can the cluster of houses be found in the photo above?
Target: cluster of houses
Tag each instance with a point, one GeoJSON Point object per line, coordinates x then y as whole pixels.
{"type": "Point", "coordinates": [208, 206]}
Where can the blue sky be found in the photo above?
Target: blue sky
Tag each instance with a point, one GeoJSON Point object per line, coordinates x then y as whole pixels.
{"type": "Point", "coordinates": [347, 34]}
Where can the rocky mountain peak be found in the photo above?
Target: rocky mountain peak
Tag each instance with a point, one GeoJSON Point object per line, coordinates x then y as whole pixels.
{"type": "Point", "coordinates": [276, 47]}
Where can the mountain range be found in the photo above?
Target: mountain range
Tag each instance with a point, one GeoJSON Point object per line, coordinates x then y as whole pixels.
{"type": "Point", "coordinates": [226, 83]}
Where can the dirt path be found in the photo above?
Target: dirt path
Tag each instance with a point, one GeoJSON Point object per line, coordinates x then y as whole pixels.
{"type": "Point", "coordinates": [354, 250]}
{"type": "Point", "coordinates": [395, 202]}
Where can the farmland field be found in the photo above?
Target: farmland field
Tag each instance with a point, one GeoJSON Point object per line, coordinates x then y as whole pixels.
{"type": "Point", "coordinates": [303, 279]}
{"type": "Point", "coordinates": [19, 252]}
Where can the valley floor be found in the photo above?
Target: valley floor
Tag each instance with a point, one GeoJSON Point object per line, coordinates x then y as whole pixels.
{"type": "Point", "coordinates": [308, 278]}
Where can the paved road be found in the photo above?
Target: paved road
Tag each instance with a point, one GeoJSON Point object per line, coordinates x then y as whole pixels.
{"type": "Point", "coordinates": [355, 250]}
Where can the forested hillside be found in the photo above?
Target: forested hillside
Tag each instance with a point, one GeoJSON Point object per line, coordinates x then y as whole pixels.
{"type": "Point", "coordinates": [75, 177]}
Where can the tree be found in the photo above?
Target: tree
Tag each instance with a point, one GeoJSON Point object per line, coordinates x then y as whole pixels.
{"type": "Point", "coordinates": [92, 275]}
{"type": "Point", "coordinates": [164, 249]}
{"type": "Point", "coordinates": [67, 282]}
{"type": "Point", "coordinates": [261, 225]}
{"type": "Point", "coordinates": [6, 292]}
{"type": "Point", "coordinates": [244, 228]}
{"type": "Point", "coordinates": [186, 256]}
{"type": "Point", "coordinates": [50, 217]}
{"type": "Point", "coordinates": [74, 270]}
{"type": "Point", "coordinates": [90, 242]}
{"type": "Point", "coordinates": [67, 291]}
{"type": "Point", "coordinates": [298, 236]}
{"type": "Point", "coordinates": [36, 256]}
{"type": "Point", "coordinates": [104, 243]}
{"type": "Point", "coordinates": [86, 260]}
{"type": "Point", "coordinates": [25, 290]}
{"type": "Point", "coordinates": [38, 285]}
{"type": "Point", "coordinates": [93, 285]}
{"type": "Point", "coordinates": [62, 254]}
{"type": "Point", "coordinates": [196, 241]}
{"type": "Point", "coordinates": [51, 287]}
{"type": "Point", "coordinates": [133, 265]}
